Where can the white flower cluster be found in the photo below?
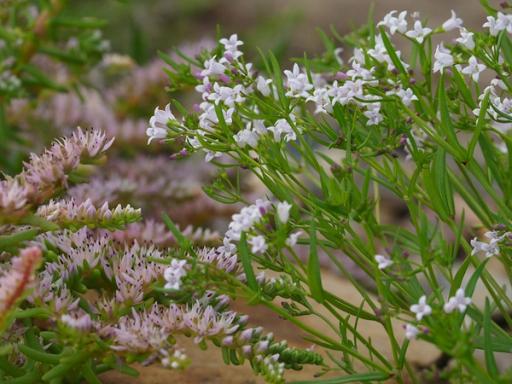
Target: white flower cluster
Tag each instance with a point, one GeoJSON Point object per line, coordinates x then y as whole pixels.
{"type": "Point", "coordinates": [174, 273]}
{"type": "Point", "coordinates": [422, 309]}
{"type": "Point", "coordinates": [490, 248]}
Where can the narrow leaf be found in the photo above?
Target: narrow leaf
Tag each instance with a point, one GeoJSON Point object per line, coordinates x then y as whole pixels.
{"type": "Point", "coordinates": [314, 275]}
{"type": "Point", "coordinates": [245, 257]}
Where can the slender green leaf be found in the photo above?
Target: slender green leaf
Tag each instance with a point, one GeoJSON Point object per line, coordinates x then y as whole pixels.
{"type": "Point", "coordinates": [355, 378]}
{"type": "Point", "coordinates": [490, 361]}
{"type": "Point", "coordinates": [245, 257]}
{"type": "Point", "coordinates": [314, 275]}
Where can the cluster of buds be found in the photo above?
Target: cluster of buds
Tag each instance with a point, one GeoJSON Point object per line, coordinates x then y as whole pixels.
{"type": "Point", "coordinates": [73, 215]}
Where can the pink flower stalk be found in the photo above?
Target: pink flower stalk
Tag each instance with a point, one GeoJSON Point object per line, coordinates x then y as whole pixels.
{"type": "Point", "coordinates": [48, 171]}
{"type": "Point", "coordinates": [17, 279]}
{"type": "Point", "coordinates": [43, 175]}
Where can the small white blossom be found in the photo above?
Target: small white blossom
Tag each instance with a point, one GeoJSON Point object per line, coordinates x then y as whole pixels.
{"type": "Point", "coordinates": [418, 32]}
{"type": "Point", "coordinates": [213, 67]}
{"type": "Point", "coordinates": [473, 68]}
{"type": "Point", "coordinates": [443, 58]}
{"type": "Point", "coordinates": [496, 25]}
{"type": "Point", "coordinates": [359, 72]}
{"type": "Point", "coordinates": [258, 244]}
{"type": "Point", "coordinates": [407, 96]}
{"type": "Point", "coordinates": [210, 155]}
{"type": "Point", "coordinates": [263, 85]}
{"type": "Point", "coordinates": [231, 46]}
{"type": "Point", "coordinates": [421, 309]}
{"type": "Point", "coordinates": [452, 23]}
{"type": "Point", "coordinates": [230, 96]}
{"type": "Point", "coordinates": [174, 273]}
{"type": "Point", "coordinates": [194, 142]}
{"type": "Point", "coordinates": [459, 301]}
{"type": "Point", "coordinates": [373, 113]}
{"type": "Point", "coordinates": [321, 99]}
{"type": "Point", "coordinates": [258, 127]}
{"type": "Point", "coordinates": [283, 127]}
{"type": "Point", "coordinates": [291, 241]}
{"type": "Point", "coordinates": [245, 220]}
{"type": "Point", "coordinates": [158, 123]}
{"type": "Point", "coordinates": [489, 249]}
{"type": "Point", "coordinates": [205, 88]}
{"type": "Point", "coordinates": [297, 82]}
{"type": "Point", "coordinates": [394, 23]}
{"type": "Point", "coordinates": [466, 39]}
{"type": "Point", "coordinates": [411, 332]}
{"type": "Point", "coordinates": [283, 211]}
{"type": "Point", "coordinates": [246, 137]}
{"type": "Point", "coordinates": [383, 261]}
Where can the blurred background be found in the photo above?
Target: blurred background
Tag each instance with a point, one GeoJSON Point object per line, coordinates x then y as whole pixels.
{"type": "Point", "coordinates": [141, 28]}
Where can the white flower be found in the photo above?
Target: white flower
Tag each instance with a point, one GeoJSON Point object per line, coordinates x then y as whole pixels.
{"type": "Point", "coordinates": [228, 95]}
{"type": "Point", "coordinates": [452, 23]}
{"type": "Point", "coordinates": [379, 51]}
{"type": "Point", "coordinates": [258, 244]}
{"type": "Point", "coordinates": [245, 220]}
{"type": "Point", "coordinates": [383, 261]}
{"type": "Point", "coordinates": [358, 56]}
{"type": "Point", "coordinates": [158, 123]}
{"type": "Point", "coordinates": [174, 273]}
{"type": "Point", "coordinates": [194, 142]}
{"type": "Point", "coordinates": [283, 127]}
{"type": "Point", "coordinates": [262, 85]}
{"type": "Point", "coordinates": [358, 71]}
{"type": "Point", "coordinates": [459, 301]}
{"type": "Point", "coordinates": [395, 23]}
{"type": "Point", "coordinates": [443, 59]}
{"type": "Point", "coordinates": [407, 96]}
{"type": "Point", "coordinates": [210, 155]}
{"type": "Point", "coordinates": [205, 88]}
{"type": "Point", "coordinates": [489, 249]}
{"type": "Point", "coordinates": [321, 99]}
{"type": "Point", "coordinates": [411, 331]}
{"type": "Point", "coordinates": [231, 46]}
{"type": "Point", "coordinates": [421, 309]}
{"type": "Point", "coordinates": [474, 68]}
{"type": "Point", "coordinates": [246, 136]}
{"type": "Point", "coordinates": [283, 211]}
{"type": "Point", "coordinates": [259, 127]}
{"type": "Point", "coordinates": [156, 133]}
{"type": "Point", "coordinates": [373, 113]}
{"type": "Point", "coordinates": [291, 241]}
{"type": "Point", "coordinates": [466, 39]}
{"type": "Point", "coordinates": [418, 33]}
{"type": "Point", "coordinates": [496, 25]}
{"type": "Point", "coordinates": [298, 83]}
{"type": "Point", "coordinates": [213, 67]}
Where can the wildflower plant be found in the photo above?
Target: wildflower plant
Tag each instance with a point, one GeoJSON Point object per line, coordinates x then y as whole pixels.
{"type": "Point", "coordinates": [427, 124]}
